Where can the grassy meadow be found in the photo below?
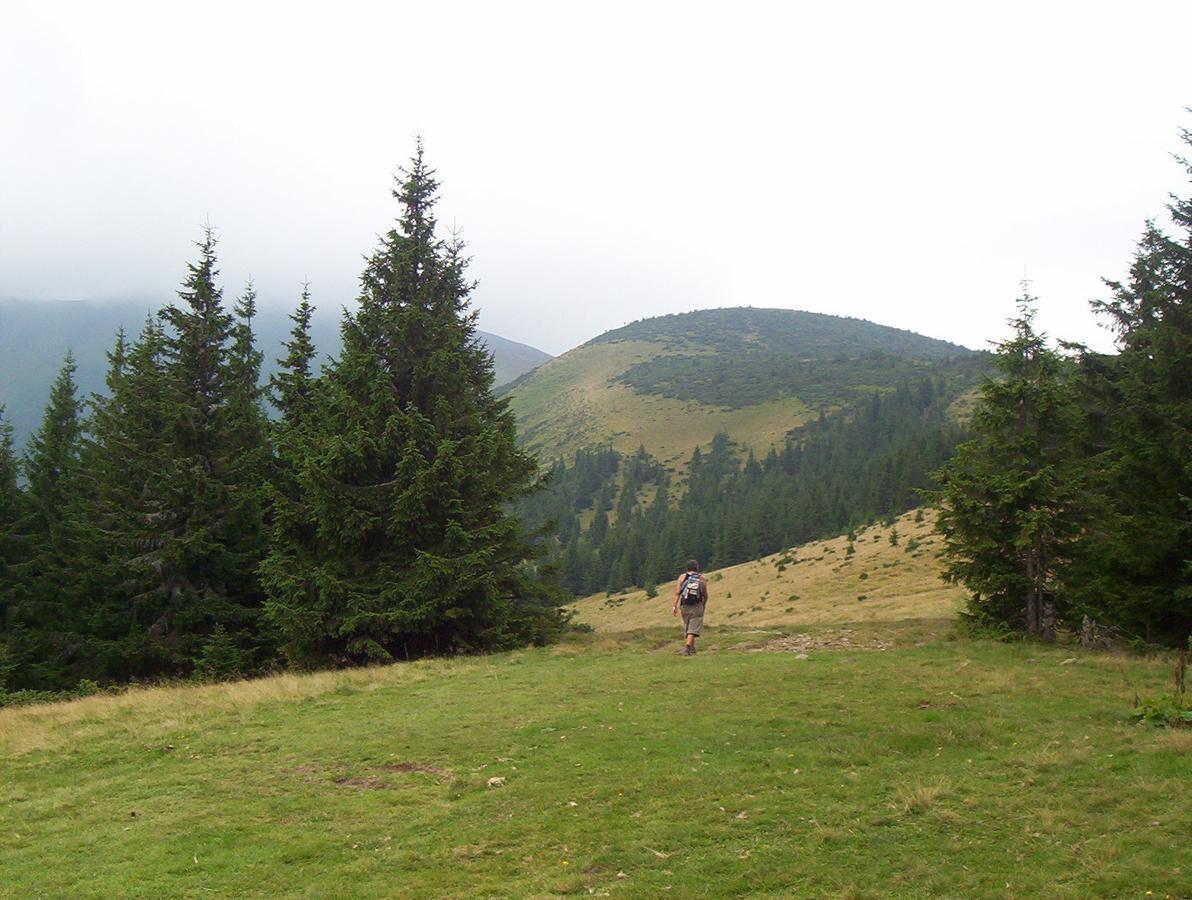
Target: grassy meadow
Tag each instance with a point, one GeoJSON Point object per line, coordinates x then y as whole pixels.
{"type": "Point", "coordinates": [768, 765]}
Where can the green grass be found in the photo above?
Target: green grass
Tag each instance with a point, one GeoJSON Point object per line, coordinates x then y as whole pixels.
{"type": "Point", "coordinates": [953, 768]}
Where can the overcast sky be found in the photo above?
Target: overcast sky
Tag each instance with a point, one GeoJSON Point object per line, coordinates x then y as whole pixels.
{"type": "Point", "coordinates": [906, 163]}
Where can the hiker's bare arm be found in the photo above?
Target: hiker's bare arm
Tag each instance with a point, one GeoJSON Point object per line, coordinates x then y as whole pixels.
{"type": "Point", "coordinates": [675, 605]}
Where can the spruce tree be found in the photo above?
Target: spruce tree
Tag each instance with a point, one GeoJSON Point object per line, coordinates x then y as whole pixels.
{"type": "Point", "coordinates": [42, 589]}
{"type": "Point", "coordinates": [408, 467]}
{"type": "Point", "coordinates": [11, 499]}
{"type": "Point", "coordinates": [250, 468]}
{"type": "Point", "coordinates": [292, 387]}
{"type": "Point", "coordinates": [91, 561]}
{"type": "Point", "coordinates": [246, 417]}
{"type": "Point", "coordinates": [212, 539]}
{"type": "Point", "coordinates": [1135, 568]}
{"type": "Point", "coordinates": [294, 527]}
{"type": "Point", "coordinates": [12, 502]}
{"type": "Point", "coordinates": [1008, 504]}
{"type": "Point", "coordinates": [126, 513]}
{"type": "Point", "coordinates": [51, 459]}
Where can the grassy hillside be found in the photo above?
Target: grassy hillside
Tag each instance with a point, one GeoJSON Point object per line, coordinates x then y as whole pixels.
{"type": "Point", "coordinates": [673, 382]}
{"type": "Point", "coordinates": [613, 769]}
{"type": "Point", "coordinates": [575, 401]}
{"type": "Point", "coordinates": [815, 584]}
{"type": "Point", "coordinates": [34, 337]}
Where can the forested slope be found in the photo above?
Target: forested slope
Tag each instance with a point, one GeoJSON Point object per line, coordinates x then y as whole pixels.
{"type": "Point", "coordinates": [728, 434]}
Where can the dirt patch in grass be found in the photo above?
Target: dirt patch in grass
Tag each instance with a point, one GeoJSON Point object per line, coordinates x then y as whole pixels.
{"type": "Point", "coordinates": [844, 639]}
{"type": "Point", "coordinates": [309, 774]}
{"type": "Point", "coordinates": [313, 774]}
{"type": "Point", "coordinates": [364, 783]}
{"type": "Point", "coordinates": [409, 768]}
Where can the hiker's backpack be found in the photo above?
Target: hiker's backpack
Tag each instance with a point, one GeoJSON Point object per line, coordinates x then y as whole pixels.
{"type": "Point", "coordinates": [689, 591]}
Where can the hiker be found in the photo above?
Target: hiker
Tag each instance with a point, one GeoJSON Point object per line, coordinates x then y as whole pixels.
{"type": "Point", "coordinates": [691, 595]}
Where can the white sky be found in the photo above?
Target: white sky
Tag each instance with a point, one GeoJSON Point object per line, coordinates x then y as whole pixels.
{"type": "Point", "coordinates": [906, 163]}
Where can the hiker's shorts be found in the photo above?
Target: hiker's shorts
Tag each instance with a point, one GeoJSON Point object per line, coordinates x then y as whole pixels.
{"type": "Point", "coordinates": [693, 617]}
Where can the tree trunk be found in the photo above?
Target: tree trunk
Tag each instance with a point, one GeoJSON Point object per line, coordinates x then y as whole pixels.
{"type": "Point", "coordinates": [1047, 617]}
{"type": "Point", "coordinates": [1032, 595]}
{"type": "Point", "coordinates": [1088, 632]}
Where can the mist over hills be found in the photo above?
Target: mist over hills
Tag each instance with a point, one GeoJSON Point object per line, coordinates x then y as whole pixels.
{"type": "Point", "coordinates": [34, 337]}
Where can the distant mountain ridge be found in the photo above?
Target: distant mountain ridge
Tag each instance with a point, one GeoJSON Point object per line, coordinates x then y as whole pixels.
{"type": "Point", "coordinates": [794, 330]}
{"type": "Point", "coordinates": [671, 383]}
{"type": "Point", "coordinates": [34, 337]}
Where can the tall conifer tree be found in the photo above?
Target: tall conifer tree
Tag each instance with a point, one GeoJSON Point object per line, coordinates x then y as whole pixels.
{"type": "Point", "coordinates": [127, 515]}
{"type": "Point", "coordinates": [91, 584]}
{"type": "Point", "coordinates": [408, 468]}
{"type": "Point", "coordinates": [11, 509]}
{"type": "Point", "coordinates": [213, 541]}
{"type": "Point", "coordinates": [251, 465]}
{"type": "Point", "coordinates": [43, 610]}
{"type": "Point", "coordinates": [1009, 499]}
{"type": "Point", "coordinates": [51, 459]}
{"type": "Point", "coordinates": [11, 495]}
{"type": "Point", "coordinates": [1135, 568]}
{"type": "Point", "coordinates": [293, 525]}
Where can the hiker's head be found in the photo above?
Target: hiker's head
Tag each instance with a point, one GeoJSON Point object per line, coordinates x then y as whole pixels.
{"type": "Point", "coordinates": [692, 565]}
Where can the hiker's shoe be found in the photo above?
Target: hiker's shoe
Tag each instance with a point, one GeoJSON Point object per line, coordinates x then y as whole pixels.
{"type": "Point", "coordinates": [688, 650]}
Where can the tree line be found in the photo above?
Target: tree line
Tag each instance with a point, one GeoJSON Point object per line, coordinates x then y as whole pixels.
{"type": "Point", "coordinates": [1072, 503]}
{"type": "Point", "coordinates": [169, 527]}
{"type": "Point", "coordinates": [621, 522]}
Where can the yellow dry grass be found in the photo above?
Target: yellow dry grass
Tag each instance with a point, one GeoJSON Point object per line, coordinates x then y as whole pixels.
{"type": "Point", "coordinates": [573, 402]}
{"type": "Point", "coordinates": [920, 797]}
{"type": "Point", "coordinates": [818, 585]}
{"type": "Point", "coordinates": [155, 710]}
